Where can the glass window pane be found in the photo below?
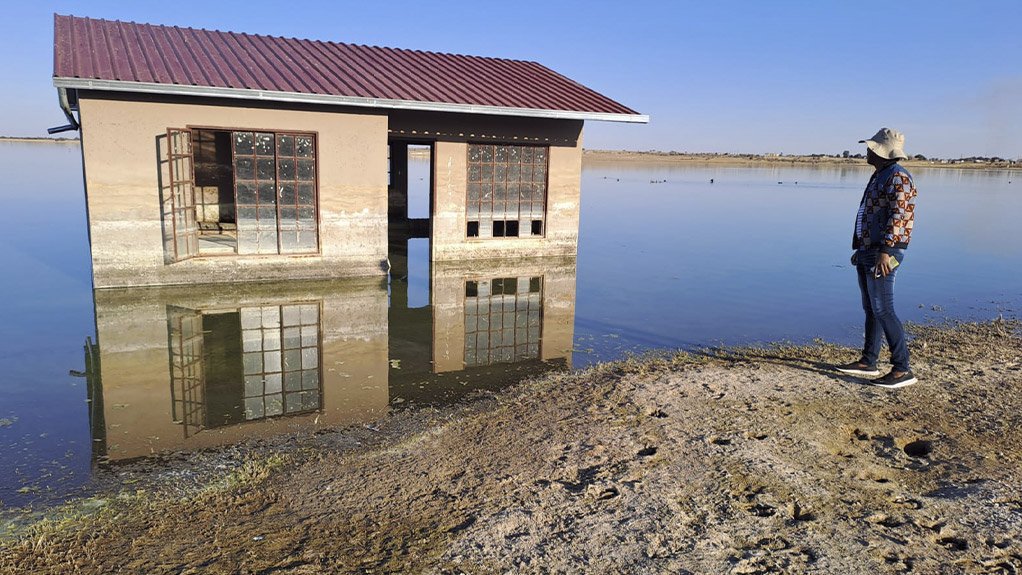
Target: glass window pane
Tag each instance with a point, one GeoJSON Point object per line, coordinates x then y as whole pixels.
{"type": "Point", "coordinates": [307, 241]}
{"type": "Point", "coordinates": [246, 193]}
{"type": "Point", "coordinates": [267, 193]}
{"type": "Point", "coordinates": [285, 145]}
{"type": "Point", "coordinates": [270, 317]}
{"type": "Point", "coordinates": [253, 385]}
{"type": "Point", "coordinates": [271, 339]}
{"type": "Point", "coordinates": [253, 363]}
{"type": "Point", "coordinates": [486, 153]}
{"type": "Point", "coordinates": [310, 358]}
{"type": "Point", "coordinates": [310, 314]}
{"type": "Point", "coordinates": [254, 408]}
{"type": "Point", "coordinates": [292, 315]}
{"type": "Point", "coordinates": [288, 241]}
{"type": "Point", "coordinates": [310, 335]}
{"type": "Point", "coordinates": [500, 154]}
{"type": "Point", "coordinates": [288, 193]}
{"type": "Point", "coordinates": [271, 361]}
{"type": "Point", "coordinates": [288, 214]}
{"type": "Point", "coordinates": [306, 170]}
{"type": "Point", "coordinates": [263, 144]}
{"type": "Point", "coordinates": [274, 405]}
{"type": "Point", "coordinates": [286, 169]}
{"type": "Point", "coordinates": [246, 215]}
{"type": "Point", "coordinates": [264, 168]}
{"type": "Point", "coordinates": [267, 214]}
{"type": "Point", "coordinates": [292, 380]}
{"type": "Point", "coordinates": [293, 359]}
{"type": "Point", "coordinates": [292, 337]}
{"type": "Point", "coordinates": [243, 143]}
{"type": "Point", "coordinates": [307, 214]}
{"type": "Point", "coordinates": [310, 379]}
{"type": "Point", "coordinates": [306, 194]}
{"type": "Point", "coordinates": [304, 146]}
{"type": "Point", "coordinates": [244, 168]}
{"type": "Point", "coordinates": [294, 402]}
{"type": "Point", "coordinates": [274, 382]}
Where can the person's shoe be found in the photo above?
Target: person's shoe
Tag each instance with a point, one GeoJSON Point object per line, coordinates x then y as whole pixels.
{"type": "Point", "coordinates": [858, 368]}
{"type": "Point", "coordinates": [890, 381]}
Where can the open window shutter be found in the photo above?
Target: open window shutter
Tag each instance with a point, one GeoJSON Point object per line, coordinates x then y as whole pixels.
{"type": "Point", "coordinates": [184, 231]}
{"type": "Point", "coordinates": [187, 380]}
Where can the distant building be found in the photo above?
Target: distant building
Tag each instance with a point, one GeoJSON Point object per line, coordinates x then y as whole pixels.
{"type": "Point", "coordinates": [218, 157]}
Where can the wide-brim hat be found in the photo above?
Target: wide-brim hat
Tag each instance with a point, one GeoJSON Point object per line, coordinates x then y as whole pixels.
{"type": "Point", "coordinates": [887, 143]}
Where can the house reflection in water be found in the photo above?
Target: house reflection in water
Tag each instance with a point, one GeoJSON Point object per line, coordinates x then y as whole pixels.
{"type": "Point", "coordinates": [192, 367]}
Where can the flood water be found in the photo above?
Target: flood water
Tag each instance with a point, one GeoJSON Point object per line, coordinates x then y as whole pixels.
{"type": "Point", "coordinates": [667, 259]}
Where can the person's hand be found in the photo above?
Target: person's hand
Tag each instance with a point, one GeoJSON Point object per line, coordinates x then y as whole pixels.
{"type": "Point", "coordinates": [884, 264]}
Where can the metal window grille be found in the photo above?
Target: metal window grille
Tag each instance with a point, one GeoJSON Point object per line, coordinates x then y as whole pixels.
{"type": "Point", "coordinates": [503, 320]}
{"type": "Point", "coordinates": [276, 195]}
{"type": "Point", "coordinates": [281, 357]}
{"type": "Point", "coordinates": [507, 190]}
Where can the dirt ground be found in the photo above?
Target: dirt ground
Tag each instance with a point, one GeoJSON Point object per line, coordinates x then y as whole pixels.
{"type": "Point", "coordinates": [729, 461]}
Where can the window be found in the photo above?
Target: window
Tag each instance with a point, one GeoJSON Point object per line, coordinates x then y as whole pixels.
{"type": "Point", "coordinates": [507, 187]}
{"type": "Point", "coordinates": [503, 319]}
{"type": "Point", "coordinates": [277, 372]}
{"type": "Point", "coordinates": [249, 193]}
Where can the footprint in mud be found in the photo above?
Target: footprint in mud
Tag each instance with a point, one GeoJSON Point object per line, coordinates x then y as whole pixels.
{"type": "Point", "coordinates": [919, 448]}
{"type": "Point", "coordinates": [648, 451]}
{"type": "Point", "coordinates": [761, 509]}
{"type": "Point", "coordinates": [718, 440]}
{"type": "Point", "coordinates": [952, 543]}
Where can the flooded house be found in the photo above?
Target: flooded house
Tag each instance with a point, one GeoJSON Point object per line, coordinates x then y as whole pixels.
{"type": "Point", "coordinates": [214, 157]}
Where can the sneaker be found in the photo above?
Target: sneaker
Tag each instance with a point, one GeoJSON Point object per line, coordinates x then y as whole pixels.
{"type": "Point", "coordinates": [858, 368]}
{"type": "Point", "coordinates": [891, 382]}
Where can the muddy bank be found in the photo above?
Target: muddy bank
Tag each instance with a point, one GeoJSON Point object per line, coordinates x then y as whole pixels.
{"type": "Point", "coordinates": [740, 461]}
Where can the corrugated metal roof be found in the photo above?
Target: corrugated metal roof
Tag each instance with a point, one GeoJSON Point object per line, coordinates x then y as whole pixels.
{"type": "Point", "coordinates": [126, 56]}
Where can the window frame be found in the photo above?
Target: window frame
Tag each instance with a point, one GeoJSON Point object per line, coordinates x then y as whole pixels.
{"type": "Point", "coordinates": [275, 131]}
{"type": "Point", "coordinates": [478, 220]}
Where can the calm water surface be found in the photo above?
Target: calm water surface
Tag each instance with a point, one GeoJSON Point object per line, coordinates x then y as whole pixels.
{"type": "Point", "coordinates": [666, 259]}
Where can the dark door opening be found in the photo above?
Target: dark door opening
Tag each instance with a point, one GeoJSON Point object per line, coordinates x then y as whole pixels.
{"type": "Point", "coordinates": [410, 212]}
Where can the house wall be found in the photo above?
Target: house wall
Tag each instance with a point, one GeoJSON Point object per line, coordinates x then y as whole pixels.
{"type": "Point", "coordinates": [453, 133]}
{"type": "Point", "coordinates": [120, 139]}
{"type": "Point", "coordinates": [132, 332]}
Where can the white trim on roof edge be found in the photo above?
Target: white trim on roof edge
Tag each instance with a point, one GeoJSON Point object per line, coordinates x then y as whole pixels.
{"type": "Point", "coordinates": [274, 96]}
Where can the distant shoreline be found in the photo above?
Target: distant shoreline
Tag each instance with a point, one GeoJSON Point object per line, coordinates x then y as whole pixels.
{"type": "Point", "coordinates": [713, 159]}
{"type": "Point", "coordinates": [614, 156]}
{"type": "Point", "coordinates": [39, 140]}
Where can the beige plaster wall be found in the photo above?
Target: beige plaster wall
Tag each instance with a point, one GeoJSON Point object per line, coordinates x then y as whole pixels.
{"type": "Point", "coordinates": [119, 146]}
{"type": "Point", "coordinates": [135, 367]}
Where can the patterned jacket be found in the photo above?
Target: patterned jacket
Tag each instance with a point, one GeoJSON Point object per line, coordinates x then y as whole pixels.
{"type": "Point", "coordinates": [888, 208]}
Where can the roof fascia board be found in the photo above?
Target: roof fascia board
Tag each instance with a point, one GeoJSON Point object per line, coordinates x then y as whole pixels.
{"type": "Point", "coordinates": [272, 96]}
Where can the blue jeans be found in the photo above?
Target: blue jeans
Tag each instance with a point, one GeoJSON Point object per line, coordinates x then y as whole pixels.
{"type": "Point", "coordinates": [878, 303]}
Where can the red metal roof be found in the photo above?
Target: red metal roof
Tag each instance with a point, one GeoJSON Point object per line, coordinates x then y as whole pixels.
{"type": "Point", "coordinates": [104, 54]}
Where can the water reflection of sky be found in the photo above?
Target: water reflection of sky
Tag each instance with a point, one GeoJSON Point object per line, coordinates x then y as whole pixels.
{"type": "Point", "coordinates": [666, 259]}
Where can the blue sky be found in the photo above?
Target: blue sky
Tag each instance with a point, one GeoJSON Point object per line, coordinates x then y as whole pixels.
{"type": "Point", "coordinates": [723, 76]}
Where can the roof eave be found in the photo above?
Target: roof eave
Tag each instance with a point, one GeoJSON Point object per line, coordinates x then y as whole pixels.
{"type": "Point", "coordinates": [298, 97]}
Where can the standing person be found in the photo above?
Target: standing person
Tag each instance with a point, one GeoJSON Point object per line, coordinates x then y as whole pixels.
{"type": "Point", "coordinates": [883, 228]}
